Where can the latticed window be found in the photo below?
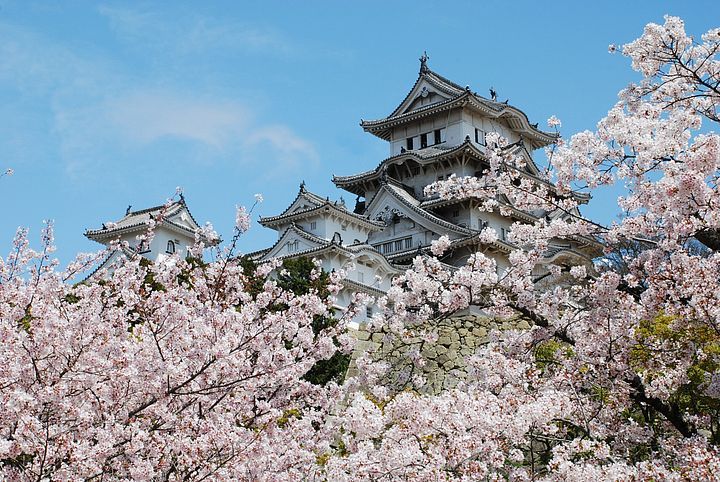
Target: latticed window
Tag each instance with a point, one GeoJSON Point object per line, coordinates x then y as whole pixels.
{"type": "Point", "coordinates": [170, 249]}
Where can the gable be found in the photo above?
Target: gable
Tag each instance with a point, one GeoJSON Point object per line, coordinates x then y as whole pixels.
{"type": "Point", "coordinates": [184, 219]}
{"type": "Point", "coordinates": [293, 241]}
{"type": "Point", "coordinates": [301, 203]}
{"type": "Point", "coordinates": [421, 95]}
{"type": "Point", "coordinates": [385, 206]}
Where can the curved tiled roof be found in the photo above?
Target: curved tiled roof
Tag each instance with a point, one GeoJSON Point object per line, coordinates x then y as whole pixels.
{"type": "Point", "coordinates": [422, 156]}
{"type": "Point", "coordinates": [325, 206]}
{"type": "Point", "coordinates": [138, 220]}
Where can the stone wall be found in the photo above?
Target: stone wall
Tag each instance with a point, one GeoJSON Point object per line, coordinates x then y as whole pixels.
{"type": "Point", "coordinates": [445, 359]}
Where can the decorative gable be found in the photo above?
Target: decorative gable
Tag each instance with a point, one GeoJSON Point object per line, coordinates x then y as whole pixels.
{"type": "Point", "coordinates": [392, 201]}
{"type": "Point", "coordinates": [293, 240]}
{"type": "Point", "coordinates": [421, 95]}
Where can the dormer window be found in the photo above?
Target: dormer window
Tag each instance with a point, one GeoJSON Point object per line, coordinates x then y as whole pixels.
{"type": "Point", "coordinates": [293, 246]}
{"type": "Point", "coordinates": [170, 249]}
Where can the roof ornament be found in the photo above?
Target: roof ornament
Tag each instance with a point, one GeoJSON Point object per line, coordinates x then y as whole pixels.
{"type": "Point", "coordinates": [127, 211]}
{"type": "Point", "coordinates": [493, 94]}
{"type": "Point", "coordinates": [302, 186]}
{"type": "Point", "coordinates": [423, 62]}
{"type": "Point", "coordinates": [383, 175]}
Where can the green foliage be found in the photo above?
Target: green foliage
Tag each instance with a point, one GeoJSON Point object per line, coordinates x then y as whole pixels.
{"type": "Point", "coordinates": [546, 352]}
{"type": "Point", "coordinates": [665, 334]}
{"type": "Point", "coordinates": [295, 276]}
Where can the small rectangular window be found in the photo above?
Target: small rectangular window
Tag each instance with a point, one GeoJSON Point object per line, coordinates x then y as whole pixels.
{"type": "Point", "coordinates": [456, 213]}
{"type": "Point", "coordinates": [502, 234]}
{"type": "Point", "coordinates": [398, 245]}
{"type": "Point", "coordinates": [437, 136]}
{"type": "Point", "coordinates": [408, 243]}
{"type": "Point", "coordinates": [368, 312]}
{"type": "Point", "coordinates": [313, 224]}
{"type": "Point", "coordinates": [386, 248]}
{"type": "Point", "coordinates": [480, 137]}
{"type": "Point", "coordinates": [423, 141]}
{"type": "Point", "coordinates": [409, 144]}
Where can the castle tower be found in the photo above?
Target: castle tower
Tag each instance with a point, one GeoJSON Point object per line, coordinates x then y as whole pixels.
{"type": "Point", "coordinates": [439, 129]}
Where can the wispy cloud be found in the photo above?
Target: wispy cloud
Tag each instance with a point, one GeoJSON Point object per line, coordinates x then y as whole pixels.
{"type": "Point", "coordinates": [99, 109]}
{"type": "Point", "coordinates": [190, 33]}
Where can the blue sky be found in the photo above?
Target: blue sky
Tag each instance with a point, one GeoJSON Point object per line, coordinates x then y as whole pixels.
{"type": "Point", "coordinates": [109, 104]}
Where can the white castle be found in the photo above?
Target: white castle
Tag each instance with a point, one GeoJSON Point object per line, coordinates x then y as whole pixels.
{"type": "Point", "coordinates": [437, 130]}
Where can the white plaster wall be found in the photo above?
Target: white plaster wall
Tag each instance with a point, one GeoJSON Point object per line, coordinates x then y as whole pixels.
{"type": "Point", "coordinates": [158, 245]}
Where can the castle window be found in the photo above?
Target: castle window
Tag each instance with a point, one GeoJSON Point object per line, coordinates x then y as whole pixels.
{"type": "Point", "coordinates": [386, 248]}
{"type": "Point", "coordinates": [480, 137]}
{"type": "Point", "coordinates": [398, 245]}
{"type": "Point", "coordinates": [423, 141]}
{"type": "Point", "coordinates": [502, 233]}
{"type": "Point", "coordinates": [143, 247]}
{"type": "Point", "coordinates": [368, 312]}
{"type": "Point", "coordinates": [293, 246]}
{"type": "Point", "coordinates": [313, 224]}
{"type": "Point", "coordinates": [408, 243]}
{"type": "Point", "coordinates": [409, 143]}
{"type": "Point", "coordinates": [456, 213]}
{"type": "Point", "coordinates": [170, 249]}
{"type": "Point", "coordinates": [437, 136]}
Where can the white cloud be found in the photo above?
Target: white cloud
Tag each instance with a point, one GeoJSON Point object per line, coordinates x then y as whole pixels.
{"type": "Point", "coordinates": [98, 111]}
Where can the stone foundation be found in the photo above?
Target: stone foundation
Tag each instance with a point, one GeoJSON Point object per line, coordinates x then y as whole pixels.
{"type": "Point", "coordinates": [445, 359]}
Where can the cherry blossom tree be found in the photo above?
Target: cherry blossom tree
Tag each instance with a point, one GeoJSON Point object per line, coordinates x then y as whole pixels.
{"type": "Point", "coordinates": [169, 370]}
